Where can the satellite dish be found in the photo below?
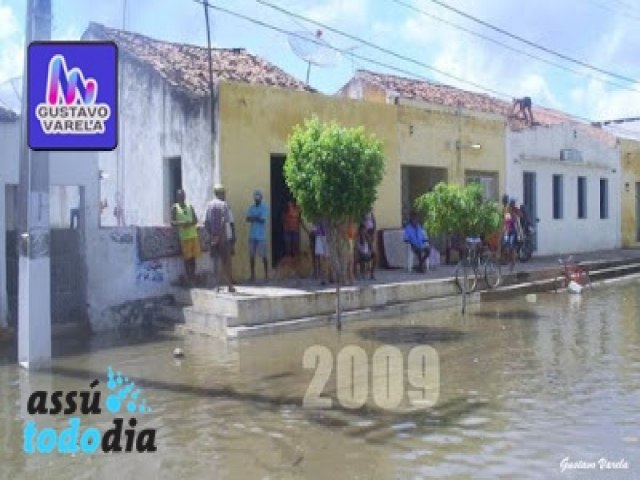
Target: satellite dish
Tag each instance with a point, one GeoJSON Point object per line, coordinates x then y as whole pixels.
{"type": "Point", "coordinates": [313, 49]}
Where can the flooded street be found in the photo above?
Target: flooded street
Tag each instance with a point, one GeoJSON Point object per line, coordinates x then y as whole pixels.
{"type": "Point", "coordinates": [522, 386]}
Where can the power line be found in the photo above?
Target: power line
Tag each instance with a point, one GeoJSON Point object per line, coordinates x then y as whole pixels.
{"type": "Point", "coordinates": [628, 12]}
{"type": "Point", "coordinates": [509, 47]}
{"type": "Point", "coordinates": [349, 52]}
{"type": "Point", "coordinates": [367, 59]}
{"type": "Point", "coordinates": [533, 44]}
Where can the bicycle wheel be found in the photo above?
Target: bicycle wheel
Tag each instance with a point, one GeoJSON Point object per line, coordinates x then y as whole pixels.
{"type": "Point", "coordinates": [492, 273]}
{"type": "Point", "coordinates": [466, 274]}
{"type": "Point", "coordinates": [525, 251]}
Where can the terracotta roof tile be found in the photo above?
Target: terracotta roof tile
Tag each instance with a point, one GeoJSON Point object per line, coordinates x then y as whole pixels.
{"type": "Point", "coordinates": [449, 96]}
{"type": "Point", "coordinates": [7, 115]}
{"type": "Point", "coordinates": [186, 67]}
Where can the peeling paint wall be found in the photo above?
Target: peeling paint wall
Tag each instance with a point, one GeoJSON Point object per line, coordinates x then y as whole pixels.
{"type": "Point", "coordinates": [119, 281]}
{"type": "Point", "coordinates": [156, 123]}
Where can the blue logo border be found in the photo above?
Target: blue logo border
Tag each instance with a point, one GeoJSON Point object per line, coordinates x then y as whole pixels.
{"type": "Point", "coordinates": [79, 43]}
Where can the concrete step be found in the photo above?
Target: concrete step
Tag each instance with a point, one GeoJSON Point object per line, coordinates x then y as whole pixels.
{"type": "Point", "coordinates": [247, 307]}
{"type": "Point", "coordinates": [391, 310]}
{"type": "Point", "coordinates": [548, 283]}
{"type": "Point", "coordinates": [211, 323]}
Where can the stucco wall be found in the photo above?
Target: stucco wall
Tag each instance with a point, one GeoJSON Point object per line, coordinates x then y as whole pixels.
{"type": "Point", "coordinates": [630, 164]}
{"type": "Point", "coordinates": [538, 150]}
{"type": "Point", "coordinates": [117, 276]}
{"type": "Point", "coordinates": [155, 123]}
{"type": "Point", "coordinates": [256, 122]}
{"type": "Point", "coordinates": [65, 168]}
{"type": "Point", "coordinates": [427, 136]}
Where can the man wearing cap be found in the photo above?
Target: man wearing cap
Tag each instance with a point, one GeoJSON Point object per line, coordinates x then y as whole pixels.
{"type": "Point", "coordinates": [184, 218]}
{"type": "Point", "coordinates": [217, 219]}
{"type": "Point", "coordinates": [257, 217]}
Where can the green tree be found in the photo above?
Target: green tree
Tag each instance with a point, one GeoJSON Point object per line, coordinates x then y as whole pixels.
{"type": "Point", "coordinates": [455, 210]}
{"type": "Point", "coordinates": [334, 173]}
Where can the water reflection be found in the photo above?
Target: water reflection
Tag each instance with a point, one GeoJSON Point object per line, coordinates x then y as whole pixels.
{"type": "Point", "coordinates": [522, 386]}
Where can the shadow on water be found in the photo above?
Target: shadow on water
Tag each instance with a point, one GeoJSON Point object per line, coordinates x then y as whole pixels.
{"type": "Point", "coordinates": [418, 334]}
{"type": "Point", "coordinates": [78, 343]}
{"type": "Point", "coordinates": [380, 431]}
{"type": "Point", "coordinates": [510, 314]}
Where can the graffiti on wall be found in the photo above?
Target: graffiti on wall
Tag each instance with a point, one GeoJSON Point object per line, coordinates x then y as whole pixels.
{"type": "Point", "coordinates": [152, 271]}
{"type": "Point", "coordinates": [162, 242]}
{"type": "Point", "coordinates": [121, 236]}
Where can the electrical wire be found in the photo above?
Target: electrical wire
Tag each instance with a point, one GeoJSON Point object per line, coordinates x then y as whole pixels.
{"type": "Point", "coordinates": [533, 44]}
{"type": "Point", "coordinates": [509, 47]}
{"type": "Point", "coordinates": [349, 52]}
{"type": "Point", "coordinates": [373, 61]}
{"type": "Point", "coordinates": [628, 12]}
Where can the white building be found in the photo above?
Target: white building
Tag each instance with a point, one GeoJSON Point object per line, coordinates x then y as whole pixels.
{"type": "Point", "coordinates": [74, 184]}
{"type": "Point", "coordinates": [568, 176]}
{"type": "Point", "coordinates": [165, 128]}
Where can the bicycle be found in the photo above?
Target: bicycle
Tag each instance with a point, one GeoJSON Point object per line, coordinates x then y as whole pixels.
{"type": "Point", "coordinates": [571, 271]}
{"type": "Point", "coordinates": [524, 249]}
{"type": "Point", "coordinates": [468, 269]}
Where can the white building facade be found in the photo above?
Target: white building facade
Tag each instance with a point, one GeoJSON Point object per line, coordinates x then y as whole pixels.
{"type": "Point", "coordinates": [568, 177]}
{"type": "Point", "coordinates": [74, 186]}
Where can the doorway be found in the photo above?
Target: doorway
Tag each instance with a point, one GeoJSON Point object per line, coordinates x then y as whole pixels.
{"type": "Point", "coordinates": [280, 195]}
{"type": "Point", "coordinates": [530, 201]}
{"type": "Point", "coordinates": [417, 181]}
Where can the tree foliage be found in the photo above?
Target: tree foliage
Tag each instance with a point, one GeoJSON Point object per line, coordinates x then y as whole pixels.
{"type": "Point", "coordinates": [457, 210]}
{"type": "Point", "coordinates": [334, 173]}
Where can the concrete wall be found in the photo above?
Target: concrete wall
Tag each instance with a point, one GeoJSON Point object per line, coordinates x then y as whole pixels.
{"type": "Point", "coordinates": [117, 278]}
{"type": "Point", "coordinates": [630, 165]}
{"type": "Point", "coordinates": [9, 143]}
{"type": "Point", "coordinates": [256, 122]}
{"type": "Point", "coordinates": [538, 150]}
{"type": "Point", "coordinates": [155, 123]}
{"type": "Point", "coordinates": [427, 136]}
{"type": "Point", "coordinates": [66, 168]}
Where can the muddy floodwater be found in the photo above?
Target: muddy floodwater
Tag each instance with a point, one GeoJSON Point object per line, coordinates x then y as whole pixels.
{"type": "Point", "coordinates": [527, 387]}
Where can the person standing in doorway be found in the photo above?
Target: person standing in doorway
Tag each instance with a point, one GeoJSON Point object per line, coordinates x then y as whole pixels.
{"type": "Point", "coordinates": [257, 215]}
{"type": "Point", "coordinates": [291, 221]}
{"type": "Point", "coordinates": [183, 217]}
{"type": "Point", "coordinates": [217, 218]}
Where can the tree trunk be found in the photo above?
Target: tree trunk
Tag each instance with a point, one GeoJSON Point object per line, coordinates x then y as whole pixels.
{"type": "Point", "coordinates": [336, 239]}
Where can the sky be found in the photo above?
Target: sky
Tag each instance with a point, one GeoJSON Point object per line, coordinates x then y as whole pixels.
{"type": "Point", "coordinates": [602, 33]}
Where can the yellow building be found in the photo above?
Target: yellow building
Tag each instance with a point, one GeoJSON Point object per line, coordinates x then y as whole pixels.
{"type": "Point", "coordinates": [168, 140]}
{"type": "Point", "coordinates": [424, 144]}
{"type": "Point", "coordinates": [630, 194]}
{"type": "Point", "coordinates": [444, 133]}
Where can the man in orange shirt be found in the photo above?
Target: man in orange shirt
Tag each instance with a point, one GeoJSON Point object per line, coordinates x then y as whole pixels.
{"type": "Point", "coordinates": [291, 221]}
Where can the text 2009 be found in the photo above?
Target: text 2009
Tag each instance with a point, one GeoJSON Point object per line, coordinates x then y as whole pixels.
{"type": "Point", "coordinates": [387, 377]}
